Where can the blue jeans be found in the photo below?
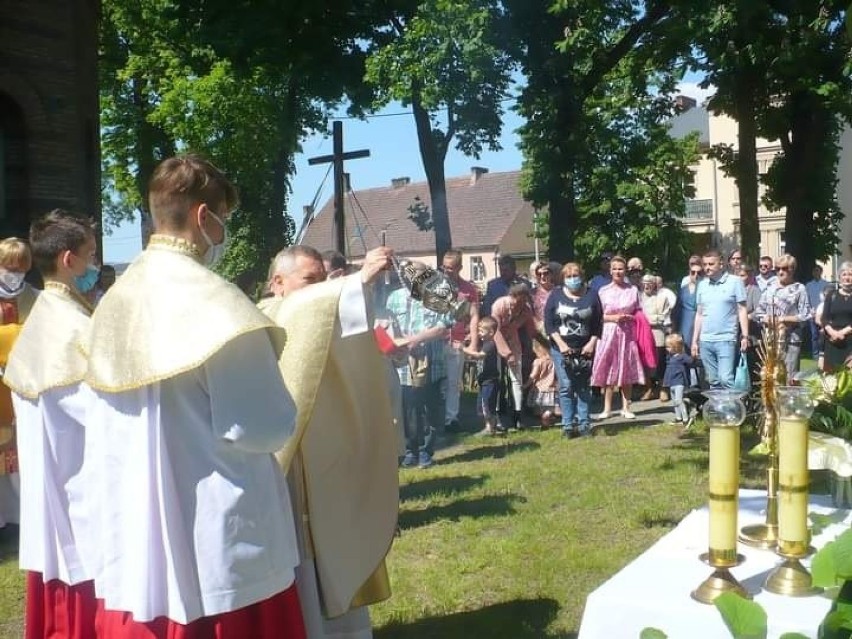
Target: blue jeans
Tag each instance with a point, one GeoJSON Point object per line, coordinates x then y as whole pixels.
{"type": "Point", "coordinates": [573, 398]}
{"type": "Point", "coordinates": [719, 359]}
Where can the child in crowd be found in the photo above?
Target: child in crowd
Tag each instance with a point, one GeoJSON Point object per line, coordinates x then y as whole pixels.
{"type": "Point", "coordinates": [542, 384]}
{"type": "Point", "coordinates": [676, 377]}
{"type": "Point", "coordinates": [489, 374]}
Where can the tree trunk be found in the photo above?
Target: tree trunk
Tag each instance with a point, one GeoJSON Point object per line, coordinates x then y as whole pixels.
{"type": "Point", "coordinates": [746, 175]}
{"type": "Point", "coordinates": [809, 132]}
{"type": "Point", "coordinates": [433, 152]}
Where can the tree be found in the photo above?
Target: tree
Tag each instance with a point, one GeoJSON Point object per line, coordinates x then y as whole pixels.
{"type": "Point", "coordinates": [444, 62]}
{"type": "Point", "coordinates": [231, 80]}
{"type": "Point", "coordinates": [596, 150]}
{"type": "Point", "coordinates": [811, 90]}
{"type": "Point", "coordinates": [568, 49]}
{"type": "Point", "coordinates": [732, 40]}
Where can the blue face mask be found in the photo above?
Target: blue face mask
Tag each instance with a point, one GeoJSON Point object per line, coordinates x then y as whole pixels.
{"type": "Point", "coordinates": [574, 283]}
{"type": "Point", "coordinates": [86, 282]}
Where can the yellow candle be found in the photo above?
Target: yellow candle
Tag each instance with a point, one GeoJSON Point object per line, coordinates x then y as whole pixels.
{"type": "Point", "coordinates": [793, 480]}
{"type": "Point", "coordinates": [724, 487]}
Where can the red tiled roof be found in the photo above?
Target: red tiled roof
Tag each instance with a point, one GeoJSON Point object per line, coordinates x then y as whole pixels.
{"type": "Point", "coordinates": [481, 212]}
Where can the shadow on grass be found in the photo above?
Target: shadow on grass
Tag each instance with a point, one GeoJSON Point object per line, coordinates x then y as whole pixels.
{"type": "Point", "coordinates": [440, 487]}
{"type": "Point", "coordinates": [608, 429]}
{"type": "Point", "coordinates": [521, 619]}
{"type": "Point", "coordinates": [492, 451]}
{"type": "Point", "coordinates": [489, 506]}
{"type": "Point", "coordinates": [9, 536]}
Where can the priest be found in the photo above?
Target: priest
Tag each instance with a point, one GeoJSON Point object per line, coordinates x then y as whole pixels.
{"type": "Point", "coordinates": [45, 372]}
{"type": "Point", "coordinates": [342, 463]}
{"type": "Point", "coordinates": [195, 523]}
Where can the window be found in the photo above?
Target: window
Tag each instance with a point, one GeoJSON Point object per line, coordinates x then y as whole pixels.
{"type": "Point", "coordinates": [477, 269]}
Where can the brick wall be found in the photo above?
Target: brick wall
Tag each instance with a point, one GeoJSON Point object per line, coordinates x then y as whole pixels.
{"type": "Point", "coordinates": [48, 68]}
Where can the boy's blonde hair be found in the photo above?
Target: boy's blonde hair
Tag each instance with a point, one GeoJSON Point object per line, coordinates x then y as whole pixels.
{"type": "Point", "coordinates": [675, 342]}
{"type": "Point", "coordinates": [15, 255]}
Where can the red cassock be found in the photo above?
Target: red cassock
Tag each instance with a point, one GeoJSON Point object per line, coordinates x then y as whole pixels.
{"type": "Point", "coordinates": [279, 617]}
{"type": "Point", "coordinates": [56, 610]}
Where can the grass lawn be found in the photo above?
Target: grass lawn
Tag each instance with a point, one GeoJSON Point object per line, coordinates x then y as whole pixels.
{"type": "Point", "coordinates": [505, 538]}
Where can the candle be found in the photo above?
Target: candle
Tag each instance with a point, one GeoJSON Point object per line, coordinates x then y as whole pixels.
{"type": "Point", "coordinates": [724, 487]}
{"type": "Point", "coordinates": [793, 480]}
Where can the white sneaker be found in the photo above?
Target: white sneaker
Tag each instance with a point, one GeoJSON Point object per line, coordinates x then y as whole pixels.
{"type": "Point", "coordinates": [626, 414]}
{"type": "Point", "coordinates": [600, 416]}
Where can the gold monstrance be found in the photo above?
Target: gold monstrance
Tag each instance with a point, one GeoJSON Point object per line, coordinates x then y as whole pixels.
{"type": "Point", "coordinates": [773, 374]}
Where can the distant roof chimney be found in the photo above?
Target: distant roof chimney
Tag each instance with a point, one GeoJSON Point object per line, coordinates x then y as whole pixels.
{"type": "Point", "coordinates": [477, 172]}
{"type": "Point", "coordinates": [400, 182]}
{"type": "Point", "coordinates": [684, 103]}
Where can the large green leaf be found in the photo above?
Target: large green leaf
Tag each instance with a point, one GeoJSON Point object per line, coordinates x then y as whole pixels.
{"type": "Point", "coordinates": [652, 633]}
{"type": "Point", "coordinates": [745, 619]}
{"type": "Point", "coordinates": [823, 567]}
{"type": "Point", "coordinates": [842, 553]}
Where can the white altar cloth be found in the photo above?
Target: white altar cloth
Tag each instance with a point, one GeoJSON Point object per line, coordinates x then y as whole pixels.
{"type": "Point", "coordinates": [654, 589]}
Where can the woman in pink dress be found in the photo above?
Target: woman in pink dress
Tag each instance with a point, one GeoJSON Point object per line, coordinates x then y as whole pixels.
{"type": "Point", "coordinates": [617, 360]}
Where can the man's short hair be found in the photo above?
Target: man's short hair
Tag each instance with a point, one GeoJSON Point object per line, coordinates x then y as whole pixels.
{"type": "Point", "coordinates": [713, 253]}
{"type": "Point", "coordinates": [519, 289]}
{"type": "Point", "coordinates": [506, 260]}
{"type": "Point", "coordinates": [455, 255]}
{"type": "Point", "coordinates": [55, 233]}
{"type": "Point", "coordinates": [182, 181]}
{"type": "Point", "coordinates": [336, 260]}
{"type": "Point", "coordinates": [765, 258]}
{"type": "Point", "coordinates": [15, 255]}
{"type": "Point", "coordinates": [285, 261]}
{"type": "Point", "coordinates": [695, 259]}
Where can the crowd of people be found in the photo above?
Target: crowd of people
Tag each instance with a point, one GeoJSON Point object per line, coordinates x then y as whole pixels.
{"type": "Point", "coordinates": [548, 344]}
{"type": "Point", "coordinates": [192, 465]}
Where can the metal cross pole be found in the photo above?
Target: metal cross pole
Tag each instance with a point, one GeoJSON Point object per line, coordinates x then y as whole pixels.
{"type": "Point", "coordinates": [337, 158]}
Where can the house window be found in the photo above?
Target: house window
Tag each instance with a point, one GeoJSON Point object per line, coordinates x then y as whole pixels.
{"type": "Point", "coordinates": [782, 243]}
{"type": "Point", "coordinates": [477, 269]}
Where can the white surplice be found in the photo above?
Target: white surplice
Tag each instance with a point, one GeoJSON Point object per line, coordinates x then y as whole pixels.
{"type": "Point", "coordinates": [53, 489]}
{"type": "Point", "coordinates": [194, 513]}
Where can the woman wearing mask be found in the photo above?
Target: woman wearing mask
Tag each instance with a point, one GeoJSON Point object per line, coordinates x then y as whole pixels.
{"type": "Point", "coordinates": [16, 300]}
{"type": "Point", "coordinates": [572, 320]}
{"type": "Point", "coordinates": [617, 360]}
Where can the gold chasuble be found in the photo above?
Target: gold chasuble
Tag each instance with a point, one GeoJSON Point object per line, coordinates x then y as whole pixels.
{"type": "Point", "coordinates": [343, 458]}
{"type": "Point", "coordinates": [49, 343]}
{"type": "Point", "coordinates": [166, 315]}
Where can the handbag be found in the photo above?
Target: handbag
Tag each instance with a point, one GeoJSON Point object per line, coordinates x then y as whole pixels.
{"type": "Point", "coordinates": [742, 379]}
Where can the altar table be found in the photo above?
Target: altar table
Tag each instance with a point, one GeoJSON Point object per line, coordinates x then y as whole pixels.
{"type": "Point", "coordinates": [654, 589]}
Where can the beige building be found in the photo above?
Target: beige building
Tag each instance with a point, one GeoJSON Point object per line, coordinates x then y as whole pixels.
{"type": "Point", "coordinates": [714, 215]}
{"type": "Point", "coordinates": [488, 218]}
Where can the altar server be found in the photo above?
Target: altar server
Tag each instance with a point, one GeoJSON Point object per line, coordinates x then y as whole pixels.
{"type": "Point", "coordinates": [196, 528]}
{"type": "Point", "coordinates": [45, 372]}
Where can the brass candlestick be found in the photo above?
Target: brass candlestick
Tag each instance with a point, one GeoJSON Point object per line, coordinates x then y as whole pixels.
{"type": "Point", "coordinates": [724, 411]}
{"type": "Point", "coordinates": [790, 577]}
{"type": "Point", "coordinates": [773, 373]}
{"type": "Point", "coordinates": [721, 581]}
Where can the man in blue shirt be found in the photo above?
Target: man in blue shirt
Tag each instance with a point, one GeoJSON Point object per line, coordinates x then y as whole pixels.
{"type": "Point", "coordinates": [720, 299]}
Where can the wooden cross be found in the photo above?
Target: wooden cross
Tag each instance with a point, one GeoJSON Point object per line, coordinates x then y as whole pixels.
{"type": "Point", "coordinates": [337, 158]}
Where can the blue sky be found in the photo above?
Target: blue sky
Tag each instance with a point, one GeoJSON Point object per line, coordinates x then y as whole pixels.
{"type": "Point", "coordinates": [392, 141]}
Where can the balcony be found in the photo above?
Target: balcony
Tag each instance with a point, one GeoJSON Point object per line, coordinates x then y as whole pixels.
{"type": "Point", "coordinates": [698, 210]}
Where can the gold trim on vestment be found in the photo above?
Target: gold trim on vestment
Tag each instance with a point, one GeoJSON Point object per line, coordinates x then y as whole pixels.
{"type": "Point", "coordinates": [166, 315]}
{"type": "Point", "coordinates": [72, 294]}
{"type": "Point", "coordinates": [46, 354]}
